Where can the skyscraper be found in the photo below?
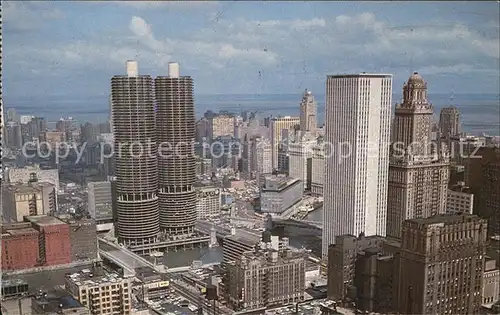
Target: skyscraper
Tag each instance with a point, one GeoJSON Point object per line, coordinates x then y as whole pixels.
{"type": "Point", "coordinates": [278, 126]}
{"type": "Point", "coordinates": [449, 122]}
{"type": "Point", "coordinates": [418, 173]}
{"type": "Point", "coordinates": [358, 111]}
{"type": "Point", "coordinates": [135, 153]}
{"type": "Point", "coordinates": [439, 269]}
{"type": "Point", "coordinates": [308, 112]}
{"type": "Point", "coordinates": [176, 160]}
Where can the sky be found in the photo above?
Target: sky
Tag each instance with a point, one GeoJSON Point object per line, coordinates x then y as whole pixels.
{"type": "Point", "coordinates": [72, 49]}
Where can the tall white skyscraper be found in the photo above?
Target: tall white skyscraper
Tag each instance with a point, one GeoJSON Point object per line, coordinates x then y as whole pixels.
{"type": "Point", "coordinates": [358, 111]}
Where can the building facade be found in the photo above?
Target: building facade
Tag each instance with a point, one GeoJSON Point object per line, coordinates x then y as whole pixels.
{"type": "Point", "coordinates": [100, 201]}
{"type": "Point", "coordinates": [300, 153]}
{"type": "Point", "coordinates": [22, 200]}
{"type": "Point", "coordinates": [318, 169]}
{"type": "Point", "coordinates": [308, 112]}
{"type": "Point", "coordinates": [265, 277]}
{"type": "Point", "coordinates": [101, 294]}
{"type": "Point", "coordinates": [280, 193]}
{"type": "Point", "coordinates": [177, 163]}
{"type": "Point", "coordinates": [449, 122]}
{"type": "Point", "coordinates": [261, 156]}
{"type": "Point", "coordinates": [133, 111]}
{"type": "Point", "coordinates": [358, 111]}
{"type": "Point", "coordinates": [281, 128]}
{"type": "Point", "coordinates": [439, 269]}
{"type": "Point", "coordinates": [418, 171]}
{"type": "Point", "coordinates": [208, 202]}
{"type": "Point", "coordinates": [24, 175]}
{"type": "Point", "coordinates": [221, 125]}
{"type": "Point", "coordinates": [459, 199]}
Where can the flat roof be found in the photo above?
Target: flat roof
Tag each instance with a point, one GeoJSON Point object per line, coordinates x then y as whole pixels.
{"type": "Point", "coordinates": [86, 277]}
{"type": "Point", "coordinates": [358, 75]}
{"type": "Point", "coordinates": [444, 218]}
{"type": "Point", "coordinates": [44, 220]}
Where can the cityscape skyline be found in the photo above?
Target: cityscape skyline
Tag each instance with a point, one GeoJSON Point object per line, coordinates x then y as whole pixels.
{"type": "Point", "coordinates": [236, 43]}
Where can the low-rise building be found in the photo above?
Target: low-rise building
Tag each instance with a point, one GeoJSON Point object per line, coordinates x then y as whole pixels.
{"type": "Point", "coordinates": [266, 276]}
{"type": "Point", "coordinates": [208, 202]}
{"type": "Point", "coordinates": [280, 193]}
{"type": "Point", "coordinates": [100, 293]}
{"type": "Point", "coordinates": [152, 284]}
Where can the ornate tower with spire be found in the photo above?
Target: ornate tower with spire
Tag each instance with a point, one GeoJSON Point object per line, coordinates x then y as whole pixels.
{"type": "Point", "coordinates": [418, 169]}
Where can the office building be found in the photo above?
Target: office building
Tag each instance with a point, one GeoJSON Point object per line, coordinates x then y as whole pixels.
{"type": "Point", "coordinates": [281, 128]}
{"type": "Point", "coordinates": [449, 122]}
{"type": "Point", "coordinates": [318, 168]}
{"type": "Point", "coordinates": [100, 293]}
{"type": "Point", "coordinates": [22, 200]}
{"type": "Point", "coordinates": [154, 285]}
{"type": "Point", "coordinates": [267, 276]}
{"type": "Point", "coordinates": [308, 112]}
{"type": "Point", "coordinates": [100, 203]}
{"type": "Point", "coordinates": [439, 269]}
{"type": "Point", "coordinates": [208, 202]}
{"type": "Point", "coordinates": [133, 112]}
{"type": "Point", "coordinates": [177, 164]}
{"type": "Point", "coordinates": [482, 175]}
{"type": "Point", "coordinates": [56, 302]}
{"type": "Point", "coordinates": [358, 111]}
{"type": "Point", "coordinates": [40, 241]}
{"type": "Point", "coordinates": [2, 126]}
{"type": "Point", "coordinates": [491, 283]}
{"type": "Point", "coordinates": [221, 125]}
{"type": "Point", "coordinates": [82, 237]}
{"type": "Point", "coordinates": [300, 158]}
{"type": "Point", "coordinates": [459, 199]}
{"type": "Point", "coordinates": [261, 156]}
{"type": "Point", "coordinates": [280, 193]}
{"type": "Point", "coordinates": [418, 171]}
{"type": "Point", "coordinates": [342, 257]}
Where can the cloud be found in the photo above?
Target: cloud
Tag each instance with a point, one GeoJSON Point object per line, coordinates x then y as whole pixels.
{"type": "Point", "coordinates": [151, 5]}
{"type": "Point", "coordinates": [27, 15]}
{"type": "Point", "coordinates": [272, 54]}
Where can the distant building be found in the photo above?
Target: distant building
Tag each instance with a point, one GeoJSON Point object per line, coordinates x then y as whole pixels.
{"type": "Point", "coordinates": [459, 200]}
{"type": "Point", "coordinates": [266, 276]}
{"type": "Point", "coordinates": [318, 169]}
{"type": "Point", "coordinates": [449, 122]}
{"type": "Point", "coordinates": [100, 203]}
{"type": "Point", "coordinates": [22, 200]}
{"type": "Point", "coordinates": [300, 158]}
{"type": "Point", "coordinates": [102, 294]}
{"type": "Point", "coordinates": [308, 112]}
{"type": "Point", "coordinates": [261, 155]}
{"type": "Point", "coordinates": [221, 125]}
{"type": "Point", "coordinates": [441, 260]}
{"type": "Point", "coordinates": [57, 302]}
{"type": "Point", "coordinates": [280, 193]}
{"type": "Point", "coordinates": [25, 174]}
{"type": "Point", "coordinates": [208, 202]}
{"type": "Point", "coordinates": [279, 127]}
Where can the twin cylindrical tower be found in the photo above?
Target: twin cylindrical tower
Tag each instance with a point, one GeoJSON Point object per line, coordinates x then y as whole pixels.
{"type": "Point", "coordinates": [155, 165]}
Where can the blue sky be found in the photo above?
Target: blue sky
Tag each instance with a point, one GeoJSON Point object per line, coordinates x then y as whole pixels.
{"type": "Point", "coordinates": [71, 49]}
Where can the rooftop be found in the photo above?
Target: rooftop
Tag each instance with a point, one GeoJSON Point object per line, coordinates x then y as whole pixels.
{"type": "Point", "coordinates": [445, 219]}
{"type": "Point", "coordinates": [86, 277]}
{"type": "Point", "coordinates": [363, 74]}
{"type": "Point", "coordinates": [44, 220]}
{"type": "Point", "coordinates": [54, 301]}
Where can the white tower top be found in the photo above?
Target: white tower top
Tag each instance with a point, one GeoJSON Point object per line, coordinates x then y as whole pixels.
{"type": "Point", "coordinates": [173, 69]}
{"type": "Point", "coordinates": [132, 68]}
